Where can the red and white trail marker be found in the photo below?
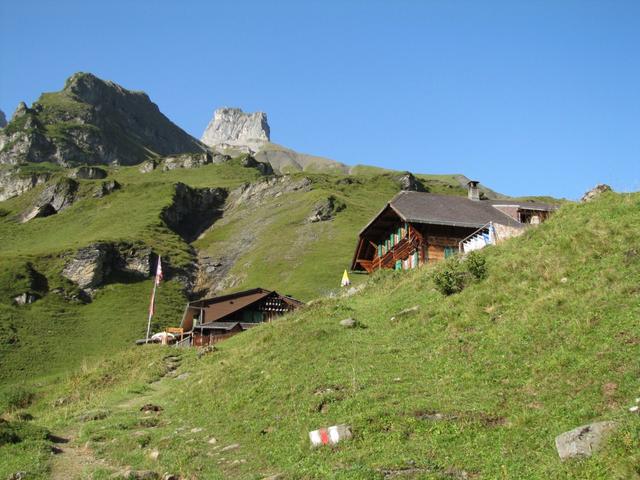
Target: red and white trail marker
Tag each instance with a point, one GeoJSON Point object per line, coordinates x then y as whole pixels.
{"type": "Point", "coordinates": [330, 435]}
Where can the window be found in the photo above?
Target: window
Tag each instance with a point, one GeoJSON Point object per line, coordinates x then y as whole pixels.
{"type": "Point", "coordinates": [449, 252]}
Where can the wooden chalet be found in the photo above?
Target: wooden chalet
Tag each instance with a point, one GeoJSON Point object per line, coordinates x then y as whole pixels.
{"type": "Point", "coordinates": [208, 321]}
{"type": "Point", "coordinates": [415, 227]}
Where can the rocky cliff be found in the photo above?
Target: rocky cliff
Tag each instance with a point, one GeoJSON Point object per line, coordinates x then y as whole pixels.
{"type": "Point", "coordinates": [233, 128]}
{"type": "Point", "coordinates": [92, 121]}
{"type": "Point", "coordinates": [3, 120]}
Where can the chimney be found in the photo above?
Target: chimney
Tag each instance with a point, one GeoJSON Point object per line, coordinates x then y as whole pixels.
{"type": "Point", "coordinates": [473, 193]}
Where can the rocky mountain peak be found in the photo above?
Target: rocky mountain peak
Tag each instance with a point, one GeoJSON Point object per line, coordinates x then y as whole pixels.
{"type": "Point", "coordinates": [90, 89]}
{"type": "Point", "coordinates": [95, 122]}
{"type": "Point", "coordinates": [231, 127]}
{"type": "Point", "coordinates": [3, 120]}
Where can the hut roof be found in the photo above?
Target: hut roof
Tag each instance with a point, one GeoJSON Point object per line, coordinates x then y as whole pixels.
{"type": "Point", "coordinates": [419, 207]}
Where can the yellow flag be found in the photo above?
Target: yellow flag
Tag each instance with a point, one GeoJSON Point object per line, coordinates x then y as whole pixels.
{"type": "Point", "coordinates": [345, 279]}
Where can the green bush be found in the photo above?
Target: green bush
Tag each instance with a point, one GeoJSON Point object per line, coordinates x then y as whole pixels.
{"type": "Point", "coordinates": [476, 265]}
{"type": "Point", "coordinates": [449, 277]}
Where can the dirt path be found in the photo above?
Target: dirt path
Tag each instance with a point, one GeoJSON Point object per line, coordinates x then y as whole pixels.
{"type": "Point", "coordinates": [74, 462]}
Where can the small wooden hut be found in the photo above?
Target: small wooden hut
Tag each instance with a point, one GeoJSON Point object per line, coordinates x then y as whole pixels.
{"type": "Point", "coordinates": [211, 320]}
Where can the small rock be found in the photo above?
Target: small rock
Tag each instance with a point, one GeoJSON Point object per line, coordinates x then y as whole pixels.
{"type": "Point", "coordinates": [25, 298]}
{"type": "Point", "coordinates": [149, 407]}
{"type": "Point", "coordinates": [170, 476]}
{"type": "Point", "coordinates": [584, 440]}
{"type": "Point", "coordinates": [406, 311]}
{"type": "Point", "coordinates": [275, 476]}
{"type": "Point", "coordinates": [330, 435]}
{"type": "Point", "coordinates": [228, 448]}
{"type": "Point", "coordinates": [634, 409]}
{"type": "Point", "coordinates": [349, 323]}
{"type": "Point", "coordinates": [154, 454]}
{"type": "Point", "coordinates": [563, 280]}
{"type": "Point", "coordinates": [138, 475]}
{"type": "Point", "coordinates": [17, 476]}
{"type": "Point", "coordinates": [212, 441]}
{"type": "Point", "coordinates": [183, 376]}
{"type": "Point", "coordinates": [326, 210]}
{"type": "Point", "coordinates": [196, 430]}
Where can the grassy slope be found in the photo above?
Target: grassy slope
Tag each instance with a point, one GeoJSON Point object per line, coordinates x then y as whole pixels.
{"type": "Point", "coordinates": [547, 342]}
{"type": "Point", "coordinates": [289, 254]}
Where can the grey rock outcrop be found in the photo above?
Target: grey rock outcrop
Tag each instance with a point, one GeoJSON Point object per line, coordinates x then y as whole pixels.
{"type": "Point", "coordinates": [193, 210]}
{"type": "Point", "coordinates": [256, 192]}
{"type": "Point", "coordinates": [191, 161]}
{"type": "Point", "coordinates": [89, 173]}
{"type": "Point", "coordinates": [97, 122]}
{"type": "Point", "coordinates": [148, 166]}
{"type": "Point", "coordinates": [326, 210]}
{"type": "Point", "coordinates": [53, 199]}
{"type": "Point", "coordinates": [409, 182]}
{"type": "Point", "coordinates": [584, 440]}
{"type": "Point", "coordinates": [106, 188]}
{"type": "Point", "coordinates": [3, 119]}
{"type": "Point", "coordinates": [231, 127]}
{"type": "Point", "coordinates": [14, 183]}
{"type": "Point", "coordinates": [90, 266]}
{"type": "Point", "coordinates": [262, 167]}
{"type": "Point", "coordinates": [595, 192]}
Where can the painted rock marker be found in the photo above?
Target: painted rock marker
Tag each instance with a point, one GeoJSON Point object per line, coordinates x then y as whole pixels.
{"type": "Point", "coordinates": [330, 435]}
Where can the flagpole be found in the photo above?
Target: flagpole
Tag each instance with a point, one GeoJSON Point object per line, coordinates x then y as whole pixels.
{"type": "Point", "coordinates": [156, 280]}
{"type": "Point", "coordinates": [151, 308]}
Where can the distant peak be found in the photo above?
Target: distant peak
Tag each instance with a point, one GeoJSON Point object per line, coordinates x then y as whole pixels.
{"type": "Point", "coordinates": [230, 126]}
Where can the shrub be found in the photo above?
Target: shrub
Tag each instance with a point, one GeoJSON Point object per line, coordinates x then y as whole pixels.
{"type": "Point", "coordinates": [449, 278]}
{"type": "Point", "coordinates": [476, 265]}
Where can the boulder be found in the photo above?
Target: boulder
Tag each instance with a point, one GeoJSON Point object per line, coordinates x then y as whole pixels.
{"type": "Point", "coordinates": [584, 440]}
{"type": "Point", "coordinates": [349, 323]}
{"type": "Point", "coordinates": [595, 192]}
{"type": "Point", "coordinates": [89, 173]}
{"type": "Point", "coordinates": [326, 210]}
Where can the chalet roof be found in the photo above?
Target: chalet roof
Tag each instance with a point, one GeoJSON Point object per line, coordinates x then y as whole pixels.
{"type": "Point", "coordinates": [420, 207]}
{"type": "Point", "coordinates": [227, 326]}
{"type": "Point", "coordinates": [217, 308]}
{"type": "Point", "coordinates": [220, 307]}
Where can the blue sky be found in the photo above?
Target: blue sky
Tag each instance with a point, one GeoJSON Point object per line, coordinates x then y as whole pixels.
{"type": "Point", "coordinates": [537, 97]}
